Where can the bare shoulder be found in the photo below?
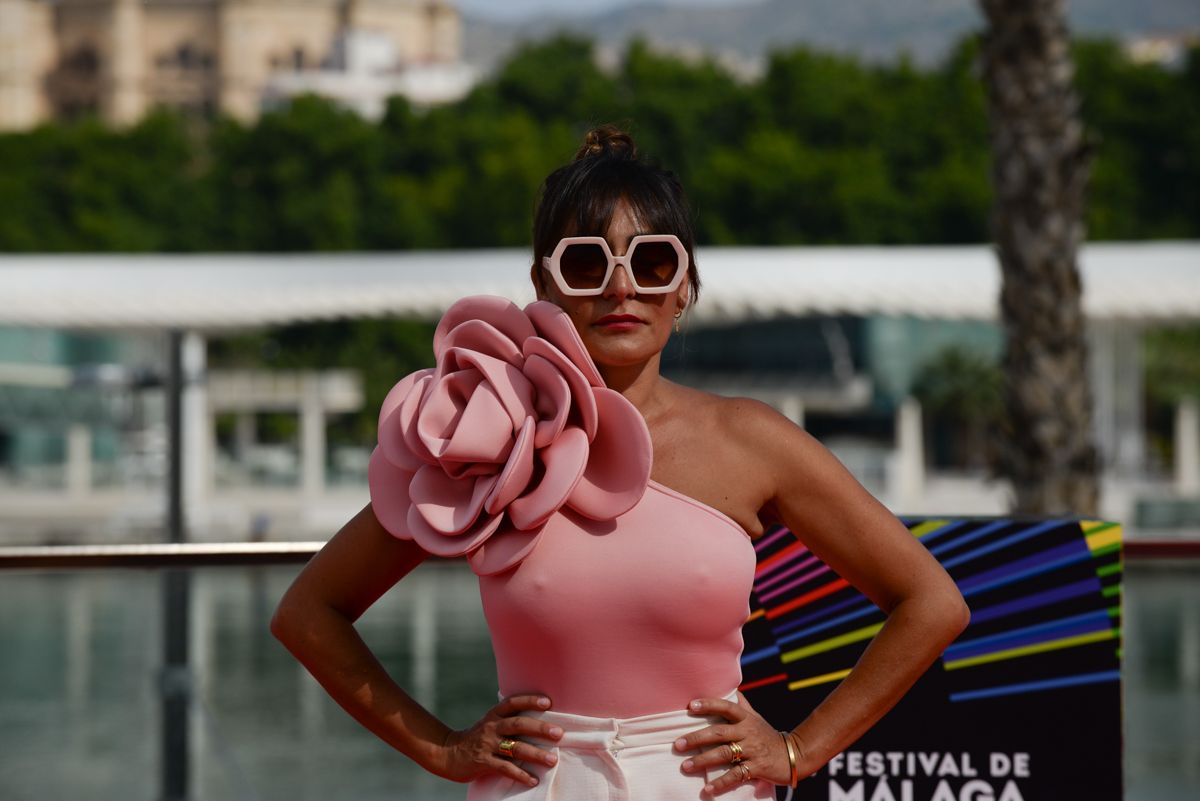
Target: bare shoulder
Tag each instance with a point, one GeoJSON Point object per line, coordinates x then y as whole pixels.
{"type": "Point", "coordinates": [784, 461]}
{"type": "Point", "coordinates": [759, 426]}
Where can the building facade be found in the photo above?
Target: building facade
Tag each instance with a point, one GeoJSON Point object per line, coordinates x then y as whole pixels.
{"type": "Point", "coordinates": [119, 58]}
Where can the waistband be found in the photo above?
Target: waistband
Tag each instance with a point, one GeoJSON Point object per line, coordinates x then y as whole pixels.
{"type": "Point", "coordinates": [582, 732]}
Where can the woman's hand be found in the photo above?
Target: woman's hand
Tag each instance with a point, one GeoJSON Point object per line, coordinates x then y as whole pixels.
{"type": "Point", "coordinates": [472, 753]}
{"type": "Point", "coordinates": [763, 751]}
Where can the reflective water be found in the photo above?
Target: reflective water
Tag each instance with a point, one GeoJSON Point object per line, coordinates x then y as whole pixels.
{"type": "Point", "coordinates": [80, 655]}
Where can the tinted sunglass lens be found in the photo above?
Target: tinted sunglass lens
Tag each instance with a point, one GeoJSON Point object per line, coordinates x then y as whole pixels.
{"type": "Point", "coordinates": [583, 266]}
{"type": "Point", "coordinates": [654, 263]}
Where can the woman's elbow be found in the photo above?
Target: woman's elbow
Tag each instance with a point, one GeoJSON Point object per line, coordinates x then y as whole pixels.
{"type": "Point", "coordinates": [954, 613]}
{"type": "Point", "coordinates": [279, 624]}
{"type": "Point", "coordinates": [284, 622]}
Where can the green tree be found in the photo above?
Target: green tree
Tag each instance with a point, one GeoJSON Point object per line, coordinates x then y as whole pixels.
{"type": "Point", "coordinates": [1145, 123]}
{"type": "Point", "coordinates": [85, 187]}
{"type": "Point", "coordinates": [556, 79]}
{"type": "Point", "coordinates": [960, 390]}
{"type": "Point", "coordinates": [300, 179]}
{"type": "Point", "coordinates": [682, 111]}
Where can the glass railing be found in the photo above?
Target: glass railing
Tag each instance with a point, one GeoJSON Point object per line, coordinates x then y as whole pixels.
{"type": "Point", "coordinates": [81, 684]}
{"type": "Point", "coordinates": [80, 678]}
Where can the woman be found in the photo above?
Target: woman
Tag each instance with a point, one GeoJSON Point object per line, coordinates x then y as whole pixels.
{"type": "Point", "coordinates": [609, 514]}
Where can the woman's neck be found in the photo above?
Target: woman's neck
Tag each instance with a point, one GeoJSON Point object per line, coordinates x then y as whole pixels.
{"type": "Point", "coordinates": [641, 384]}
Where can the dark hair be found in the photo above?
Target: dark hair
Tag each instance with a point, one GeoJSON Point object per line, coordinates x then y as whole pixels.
{"type": "Point", "coordinates": [580, 197]}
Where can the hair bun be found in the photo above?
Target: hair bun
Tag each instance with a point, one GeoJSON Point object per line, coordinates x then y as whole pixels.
{"type": "Point", "coordinates": [607, 141]}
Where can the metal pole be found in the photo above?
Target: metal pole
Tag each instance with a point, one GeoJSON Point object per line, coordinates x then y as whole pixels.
{"type": "Point", "coordinates": [174, 408]}
{"type": "Point", "coordinates": [176, 678]}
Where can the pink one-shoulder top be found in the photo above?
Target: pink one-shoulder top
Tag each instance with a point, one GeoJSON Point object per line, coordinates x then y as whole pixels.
{"type": "Point", "coordinates": [609, 592]}
{"type": "Point", "coordinates": [626, 617]}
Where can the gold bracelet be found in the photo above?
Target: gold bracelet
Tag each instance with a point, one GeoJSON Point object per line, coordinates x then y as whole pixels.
{"type": "Point", "coordinates": [795, 776]}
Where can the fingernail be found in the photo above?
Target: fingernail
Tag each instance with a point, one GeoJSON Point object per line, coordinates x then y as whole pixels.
{"type": "Point", "coordinates": [554, 731]}
{"type": "Point", "coordinates": [708, 788]}
{"type": "Point", "coordinates": [694, 704]}
{"type": "Point", "coordinates": [551, 758]}
{"type": "Point", "coordinates": [688, 764]}
{"type": "Point", "coordinates": [533, 781]}
{"type": "Point", "coordinates": [544, 703]}
{"type": "Point", "coordinates": [681, 743]}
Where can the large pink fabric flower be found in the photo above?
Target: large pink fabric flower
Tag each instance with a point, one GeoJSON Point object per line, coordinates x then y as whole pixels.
{"type": "Point", "coordinates": [513, 424]}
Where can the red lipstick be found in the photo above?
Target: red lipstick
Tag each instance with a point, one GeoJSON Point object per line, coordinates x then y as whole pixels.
{"type": "Point", "coordinates": [619, 322]}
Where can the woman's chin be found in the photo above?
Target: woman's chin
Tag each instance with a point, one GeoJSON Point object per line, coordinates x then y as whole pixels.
{"type": "Point", "coordinates": [622, 354]}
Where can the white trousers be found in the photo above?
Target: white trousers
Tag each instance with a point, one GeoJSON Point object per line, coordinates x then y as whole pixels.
{"type": "Point", "coordinates": [614, 759]}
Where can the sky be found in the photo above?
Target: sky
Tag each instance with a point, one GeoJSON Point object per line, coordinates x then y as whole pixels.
{"type": "Point", "coordinates": [515, 9]}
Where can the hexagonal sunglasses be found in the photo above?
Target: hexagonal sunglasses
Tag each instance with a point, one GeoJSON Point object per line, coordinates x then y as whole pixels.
{"type": "Point", "coordinates": [583, 265]}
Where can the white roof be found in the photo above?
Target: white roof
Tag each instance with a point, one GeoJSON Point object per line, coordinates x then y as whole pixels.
{"type": "Point", "coordinates": [1141, 282]}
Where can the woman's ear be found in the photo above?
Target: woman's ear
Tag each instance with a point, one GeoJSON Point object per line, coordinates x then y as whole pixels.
{"type": "Point", "coordinates": [539, 286]}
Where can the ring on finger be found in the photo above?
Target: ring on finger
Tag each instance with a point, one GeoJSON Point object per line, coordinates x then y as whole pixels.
{"type": "Point", "coordinates": [736, 750]}
{"type": "Point", "coordinates": [506, 747]}
{"type": "Point", "coordinates": [744, 771]}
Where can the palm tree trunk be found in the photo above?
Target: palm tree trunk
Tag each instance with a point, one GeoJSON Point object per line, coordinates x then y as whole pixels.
{"type": "Point", "coordinates": [1040, 165]}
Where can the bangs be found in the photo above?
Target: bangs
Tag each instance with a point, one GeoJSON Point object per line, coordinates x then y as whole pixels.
{"type": "Point", "coordinates": [582, 202]}
{"type": "Point", "coordinates": [648, 198]}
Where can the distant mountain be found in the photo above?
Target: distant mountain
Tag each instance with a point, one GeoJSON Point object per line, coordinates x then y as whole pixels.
{"type": "Point", "coordinates": [874, 29]}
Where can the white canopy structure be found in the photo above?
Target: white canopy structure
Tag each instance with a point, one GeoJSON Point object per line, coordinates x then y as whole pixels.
{"type": "Point", "coordinates": [1129, 282]}
{"type": "Point", "coordinates": [1126, 286]}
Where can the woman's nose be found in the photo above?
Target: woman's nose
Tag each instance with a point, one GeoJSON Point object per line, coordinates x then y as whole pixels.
{"type": "Point", "coordinates": [619, 286]}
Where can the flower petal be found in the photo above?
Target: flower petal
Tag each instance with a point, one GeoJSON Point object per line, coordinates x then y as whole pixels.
{"type": "Point", "coordinates": [480, 336]}
{"type": "Point", "coordinates": [553, 403]}
{"type": "Point", "coordinates": [554, 325]}
{"type": "Point", "coordinates": [389, 494]}
{"type": "Point", "coordinates": [512, 388]}
{"type": "Point", "coordinates": [442, 407]}
{"type": "Point", "coordinates": [506, 316]}
{"type": "Point", "coordinates": [406, 418]}
{"type": "Point", "coordinates": [439, 544]}
{"type": "Point", "coordinates": [483, 432]}
{"type": "Point", "coordinates": [619, 460]}
{"type": "Point", "coordinates": [581, 390]}
{"type": "Point", "coordinates": [504, 550]}
{"type": "Point", "coordinates": [564, 461]}
{"type": "Point", "coordinates": [448, 505]}
{"type": "Point", "coordinates": [517, 471]}
{"type": "Point", "coordinates": [399, 392]}
{"type": "Point", "coordinates": [396, 418]}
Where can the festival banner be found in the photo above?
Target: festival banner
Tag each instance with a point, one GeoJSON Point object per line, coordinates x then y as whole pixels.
{"type": "Point", "coordinates": [1024, 706]}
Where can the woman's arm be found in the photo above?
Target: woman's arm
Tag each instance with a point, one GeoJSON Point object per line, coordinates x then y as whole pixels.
{"type": "Point", "coordinates": [864, 543]}
{"type": "Point", "coordinates": [809, 491]}
{"type": "Point", "coordinates": [315, 621]}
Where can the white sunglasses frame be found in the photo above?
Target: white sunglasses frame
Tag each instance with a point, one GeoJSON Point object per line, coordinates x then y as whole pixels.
{"type": "Point", "coordinates": [554, 266]}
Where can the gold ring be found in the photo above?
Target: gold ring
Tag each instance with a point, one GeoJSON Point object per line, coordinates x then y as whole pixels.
{"type": "Point", "coordinates": [736, 750]}
{"type": "Point", "coordinates": [506, 747]}
{"type": "Point", "coordinates": [745, 772]}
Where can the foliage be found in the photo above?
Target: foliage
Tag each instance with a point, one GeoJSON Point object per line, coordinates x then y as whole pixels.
{"type": "Point", "coordinates": [1172, 364]}
{"type": "Point", "coordinates": [960, 389]}
{"type": "Point", "coordinates": [960, 383]}
{"type": "Point", "coordinates": [823, 148]}
{"type": "Point", "coordinates": [1146, 122]}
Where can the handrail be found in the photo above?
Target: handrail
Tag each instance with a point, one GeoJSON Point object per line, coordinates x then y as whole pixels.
{"type": "Point", "coordinates": [157, 554]}
{"type": "Point", "coordinates": [205, 554]}
{"type": "Point", "coordinates": [1161, 549]}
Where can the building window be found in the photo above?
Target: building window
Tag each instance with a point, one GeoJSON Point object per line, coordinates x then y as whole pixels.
{"type": "Point", "coordinates": [187, 57]}
{"type": "Point", "coordinates": [83, 61]}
